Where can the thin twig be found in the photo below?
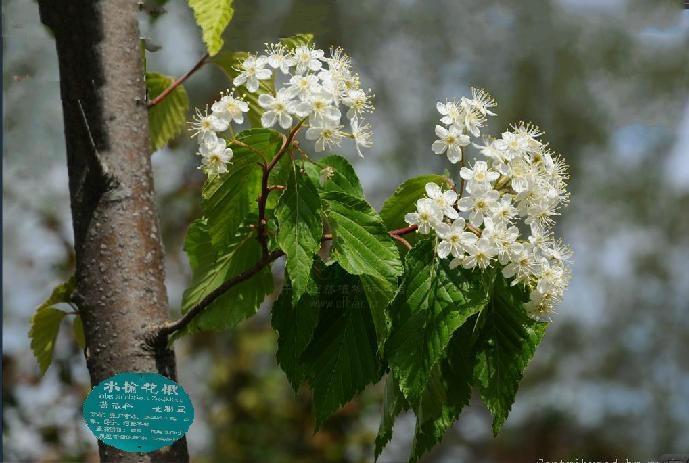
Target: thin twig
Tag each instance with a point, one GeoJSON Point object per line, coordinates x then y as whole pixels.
{"type": "Point", "coordinates": [177, 83]}
{"type": "Point", "coordinates": [183, 321]}
{"type": "Point", "coordinates": [404, 242]}
{"type": "Point", "coordinates": [404, 230]}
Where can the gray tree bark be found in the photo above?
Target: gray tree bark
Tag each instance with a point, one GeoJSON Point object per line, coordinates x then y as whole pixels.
{"type": "Point", "coordinates": [120, 288]}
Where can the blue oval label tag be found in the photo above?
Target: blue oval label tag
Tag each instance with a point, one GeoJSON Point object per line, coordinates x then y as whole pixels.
{"type": "Point", "coordinates": [138, 412]}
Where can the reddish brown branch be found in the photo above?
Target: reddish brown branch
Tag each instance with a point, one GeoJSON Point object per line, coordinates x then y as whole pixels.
{"type": "Point", "coordinates": [403, 231]}
{"type": "Point", "coordinates": [178, 82]}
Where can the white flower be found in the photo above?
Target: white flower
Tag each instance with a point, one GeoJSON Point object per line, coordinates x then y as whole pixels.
{"type": "Point", "coordinates": [454, 239]}
{"type": "Point", "coordinates": [326, 133]}
{"type": "Point", "coordinates": [451, 113]}
{"type": "Point", "coordinates": [318, 106]}
{"type": "Point", "coordinates": [513, 144]}
{"type": "Point", "coordinates": [504, 211]}
{"type": "Point", "coordinates": [450, 140]}
{"type": "Point", "coordinates": [307, 58]}
{"type": "Point", "coordinates": [358, 102]}
{"type": "Point", "coordinates": [479, 254]}
{"type": "Point", "coordinates": [482, 100]}
{"type": "Point", "coordinates": [479, 174]}
{"type": "Point", "coordinates": [215, 157]}
{"type": "Point", "coordinates": [444, 200]}
{"type": "Point", "coordinates": [479, 204]}
{"type": "Point", "coordinates": [427, 215]}
{"type": "Point", "coordinates": [472, 118]}
{"type": "Point", "coordinates": [522, 266]}
{"type": "Point", "coordinates": [279, 57]}
{"type": "Point", "coordinates": [278, 108]}
{"type": "Point", "coordinates": [521, 172]}
{"type": "Point", "coordinates": [206, 125]}
{"type": "Point", "coordinates": [362, 135]}
{"type": "Point", "coordinates": [503, 237]}
{"type": "Point", "coordinates": [230, 109]}
{"type": "Point", "coordinates": [251, 71]}
{"type": "Point", "coordinates": [303, 86]}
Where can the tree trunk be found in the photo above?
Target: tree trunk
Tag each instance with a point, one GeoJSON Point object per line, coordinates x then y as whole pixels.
{"type": "Point", "coordinates": [120, 275]}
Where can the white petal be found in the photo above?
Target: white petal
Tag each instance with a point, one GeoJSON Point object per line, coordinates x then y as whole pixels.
{"type": "Point", "coordinates": [465, 204]}
{"type": "Point", "coordinates": [444, 249]}
{"type": "Point", "coordinates": [433, 190]}
{"type": "Point", "coordinates": [438, 147]}
{"type": "Point", "coordinates": [454, 155]}
{"type": "Point", "coordinates": [411, 218]}
{"type": "Point", "coordinates": [440, 132]}
{"type": "Point", "coordinates": [268, 119]}
{"type": "Point", "coordinates": [252, 84]}
{"type": "Point", "coordinates": [265, 100]}
{"type": "Point", "coordinates": [285, 121]}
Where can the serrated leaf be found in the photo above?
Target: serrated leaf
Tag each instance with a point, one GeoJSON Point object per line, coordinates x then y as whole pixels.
{"type": "Point", "coordinates": [341, 358]}
{"type": "Point", "coordinates": [295, 324]}
{"type": "Point", "coordinates": [212, 16]}
{"type": "Point", "coordinates": [229, 62]}
{"type": "Point", "coordinates": [448, 391]}
{"type": "Point", "coordinates": [361, 244]}
{"type": "Point", "coordinates": [343, 177]}
{"type": "Point", "coordinates": [45, 325]}
{"type": "Point", "coordinates": [393, 405]}
{"type": "Point", "coordinates": [78, 330]}
{"type": "Point", "coordinates": [403, 201]}
{"type": "Point", "coordinates": [507, 341]}
{"type": "Point", "coordinates": [212, 267]}
{"type": "Point", "coordinates": [296, 40]}
{"type": "Point", "coordinates": [433, 302]}
{"type": "Point", "coordinates": [379, 293]}
{"type": "Point", "coordinates": [300, 228]}
{"type": "Point", "coordinates": [339, 177]}
{"type": "Point", "coordinates": [229, 198]}
{"type": "Point", "coordinates": [166, 119]}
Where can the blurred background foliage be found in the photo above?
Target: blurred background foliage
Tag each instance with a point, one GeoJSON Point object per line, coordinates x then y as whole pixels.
{"type": "Point", "coordinates": [608, 80]}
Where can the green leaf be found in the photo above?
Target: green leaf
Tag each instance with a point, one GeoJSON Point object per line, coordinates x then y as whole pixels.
{"type": "Point", "coordinates": [393, 405]}
{"type": "Point", "coordinates": [78, 329]}
{"type": "Point", "coordinates": [166, 119]}
{"type": "Point", "coordinates": [447, 392]}
{"type": "Point", "coordinates": [212, 16]}
{"type": "Point", "coordinates": [361, 244]}
{"type": "Point", "coordinates": [229, 198]}
{"type": "Point", "coordinates": [296, 40]}
{"type": "Point", "coordinates": [433, 302]}
{"type": "Point", "coordinates": [506, 343]}
{"type": "Point", "coordinates": [300, 228]}
{"type": "Point", "coordinates": [403, 201]}
{"type": "Point", "coordinates": [229, 62]}
{"type": "Point", "coordinates": [212, 267]}
{"type": "Point", "coordinates": [295, 324]}
{"type": "Point", "coordinates": [45, 323]}
{"type": "Point", "coordinates": [343, 177]}
{"type": "Point", "coordinates": [341, 358]}
{"type": "Point", "coordinates": [379, 293]}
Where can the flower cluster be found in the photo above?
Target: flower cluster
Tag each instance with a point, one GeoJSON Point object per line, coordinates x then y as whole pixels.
{"type": "Point", "coordinates": [520, 185]}
{"type": "Point", "coordinates": [309, 87]}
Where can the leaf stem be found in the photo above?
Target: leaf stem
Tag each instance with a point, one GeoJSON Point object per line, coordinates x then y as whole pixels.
{"type": "Point", "coordinates": [177, 82]}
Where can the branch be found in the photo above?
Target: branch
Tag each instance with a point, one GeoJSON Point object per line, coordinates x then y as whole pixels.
{"type": "Point", "coordinates": [182, 322]}
{"type": "Point", "coordinates": [177, 83]}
